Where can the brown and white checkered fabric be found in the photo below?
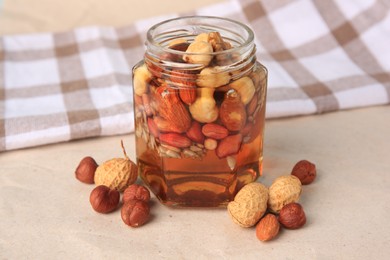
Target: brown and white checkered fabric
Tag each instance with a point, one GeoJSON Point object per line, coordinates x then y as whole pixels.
{"type": "Point", "coordinates": [321, 55]}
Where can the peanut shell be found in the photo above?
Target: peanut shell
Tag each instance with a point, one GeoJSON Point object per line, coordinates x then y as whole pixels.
{"type": "Point", "coordinates": [249, 205]}
{"type": "Point", "coordinates": [284, 190]}
{"type": "Point", "coordinates": [117, 173]}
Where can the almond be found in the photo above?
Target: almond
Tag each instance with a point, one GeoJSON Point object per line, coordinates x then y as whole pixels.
{"type": "Point", "coordinates": [188, 95]}
{"type": "Point", "coordinates": [267, 228]}
{"type": "Point", "coordinates": [230, 145]}
{"type": "Point", "coordinates": [232, 111]}
{"type": "Point", "coordinates": [170, 107]}
{"type": "Point", "coordinates": [175, 140]}
{"type": "Point", "coordinates": [195, 132]}
{"type": "Point", "coordinates": [214, 131]}
{"type": "Point", "coordinates": [165, 126]}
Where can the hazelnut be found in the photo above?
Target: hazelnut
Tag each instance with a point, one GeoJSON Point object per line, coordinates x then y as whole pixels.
{"type": "Point", "coordinates": [202, 37]}
{"type": "Point", "coordinates": [292, 216]}
{"type": "Point", "coordinates": [142, 77]}
{"type": "Point", "coordinates": [245, 87]}
{"type": "Point", "coordinates": [305, 171]}
{"type": "Point", "coordinates": [136, 192]}
{"type": "Point", "coordinates": [104, 199]}
{"type": "Point", "coordinates": [232, 111]}
{"type": "Point", "coordinates": [85, 171]}
{"type": "Point", "coordinates": [267, 228]}
{"type": "Point", "coordinates": [199, 52]}
{"type": "Point", "coordinates": [135, 213]}
{"type": "Point", "coordinates": [210, 144]}
{"type": "Point", "coordinates": [217, 42]}
{"type": "Point", "coordinates": [212, 77]}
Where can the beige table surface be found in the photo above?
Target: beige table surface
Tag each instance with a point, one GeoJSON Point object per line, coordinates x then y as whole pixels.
{"type": "Point", "coordinates": [45, 212]}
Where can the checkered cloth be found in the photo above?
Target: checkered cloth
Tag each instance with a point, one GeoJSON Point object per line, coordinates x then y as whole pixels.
{"type": "Point", "coordinates": [321, 55]}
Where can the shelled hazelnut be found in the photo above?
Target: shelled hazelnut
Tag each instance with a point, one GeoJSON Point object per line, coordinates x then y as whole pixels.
{"type": "Point", "coordinates": [104, 199]}
{"type": "Point", "coordinates": [135, 213]}
{"type": "Point", "coordinates": [305, 171]}
{"type": "Point", "coordinates": [85, 171]}
{"type": "Point", "coordinates": [136, 192]}
{"type": "Point", "coordinates": [292, 216]}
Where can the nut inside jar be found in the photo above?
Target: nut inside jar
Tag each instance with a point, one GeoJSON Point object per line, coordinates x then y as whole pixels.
{"type": "Point", "coordinates": [199, 119]}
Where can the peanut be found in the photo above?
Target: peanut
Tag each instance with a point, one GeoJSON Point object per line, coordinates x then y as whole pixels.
{"type": "Point", "coordinates": [284, 190]}
{"type": "Point", "coordinates": [249, 204]}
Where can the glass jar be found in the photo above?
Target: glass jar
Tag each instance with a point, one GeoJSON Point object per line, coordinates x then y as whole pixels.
{"type": "Point", "coordinates": [199, 102]}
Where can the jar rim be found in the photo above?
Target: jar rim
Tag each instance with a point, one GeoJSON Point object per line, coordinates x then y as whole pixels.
{"type": "Point", "coordinates": [199, 20]}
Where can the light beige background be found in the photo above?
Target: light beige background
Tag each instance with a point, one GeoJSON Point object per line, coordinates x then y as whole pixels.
{"type": "Point", "coordinates": [20, 16]}
{"type": "Point", "coordinates": [45, 213]}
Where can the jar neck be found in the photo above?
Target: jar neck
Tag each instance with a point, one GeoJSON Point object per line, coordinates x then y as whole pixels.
{"type": "Point", "coordinates": [162, 56]}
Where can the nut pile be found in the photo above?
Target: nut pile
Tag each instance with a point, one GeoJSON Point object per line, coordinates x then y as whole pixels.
{"type": "Point", "coordinates": [113, 177]}
{"type": "Point", "coordinates": [268, 208]}
{"type": "Point", "coordinates": [184, 114]}
{"type": "Point", "coordinates": [255, 204]}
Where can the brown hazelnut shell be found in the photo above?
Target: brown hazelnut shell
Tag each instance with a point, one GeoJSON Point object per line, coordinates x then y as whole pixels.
{"type": "Point", "coordinates": [85, 171]}
{"type": "Point", "coordinates": [292, 216]}
{"type": "Point", "coordinates": [136, 192]}
{"type": "Point", "coordinates": [135, 213]}
{"type": "Point", "coordinates": [104, 199]}
{"type": "Point", "coordinates": [305, 171]}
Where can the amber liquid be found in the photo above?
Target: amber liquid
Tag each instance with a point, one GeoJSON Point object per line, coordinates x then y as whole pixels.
{"type": "Point", "coordinates": [205, 182]}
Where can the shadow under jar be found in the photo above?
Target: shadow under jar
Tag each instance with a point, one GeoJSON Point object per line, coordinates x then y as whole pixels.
{"type": "Point", "coordinates": [199, 102]}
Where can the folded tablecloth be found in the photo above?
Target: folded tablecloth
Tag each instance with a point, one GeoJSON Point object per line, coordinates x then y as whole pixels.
{"type": "Point", "coordinates": [321, 56]}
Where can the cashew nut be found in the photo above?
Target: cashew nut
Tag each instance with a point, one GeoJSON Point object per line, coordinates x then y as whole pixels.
{"type": "Point", "coordinates": [204, 108]}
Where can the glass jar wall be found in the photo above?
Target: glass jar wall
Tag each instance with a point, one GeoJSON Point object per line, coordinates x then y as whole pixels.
{"type": "Point", "coordinates": [199, 101]}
